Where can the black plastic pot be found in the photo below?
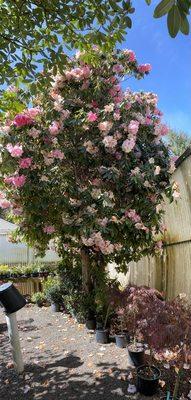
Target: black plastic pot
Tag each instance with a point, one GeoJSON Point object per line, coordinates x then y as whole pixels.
{"type": "Point", "coordinates": [34, 274]}
{"type": "Point", "coordinates": [137, 356]}
{"type": "Point", "coordinates": [102, 336]}
{"type": "Point", "coordinates": [91, 324]}
{"type": "Point", "coordinates": [145, 385]}
{"type": "Point", "coordinates": [55, 307]}
{"type": "Point", "coordinates": [11, 299]}
{"type": "Point", "coordinates": [121, 340]}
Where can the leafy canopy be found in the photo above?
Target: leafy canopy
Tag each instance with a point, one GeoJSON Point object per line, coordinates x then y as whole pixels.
{"type": "Point", "coordinates": [34, 34]}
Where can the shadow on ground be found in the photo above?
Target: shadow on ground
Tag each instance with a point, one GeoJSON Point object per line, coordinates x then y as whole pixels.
{"type": "Point", "coordinates": [59, 380]}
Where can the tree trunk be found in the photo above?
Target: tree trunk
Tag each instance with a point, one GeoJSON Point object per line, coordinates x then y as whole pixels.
{"type": "Point", "coordinates": [86, 271]}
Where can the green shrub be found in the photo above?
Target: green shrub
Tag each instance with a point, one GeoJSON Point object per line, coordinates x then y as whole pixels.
{"type": "Point", "coordinates": [52, 290]}
{"type": "Point", "coordinates": [38, 298]}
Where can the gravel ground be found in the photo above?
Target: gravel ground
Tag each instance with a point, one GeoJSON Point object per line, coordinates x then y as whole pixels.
{"type": "Point", "coordinates": [62, 361]}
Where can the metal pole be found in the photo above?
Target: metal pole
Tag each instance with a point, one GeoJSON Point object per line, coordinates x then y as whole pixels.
{"type": "Point", "coordinates": [13, 333]}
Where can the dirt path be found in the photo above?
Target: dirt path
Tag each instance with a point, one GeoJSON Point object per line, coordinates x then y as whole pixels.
{"type": "Point", "coordinates": [62, 361]}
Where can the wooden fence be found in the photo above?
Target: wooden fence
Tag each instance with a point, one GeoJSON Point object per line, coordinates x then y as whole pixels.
{"type": "Point", "coordinates": [28, 286]}
{"type": "Point", "coordinates": [171, 272]}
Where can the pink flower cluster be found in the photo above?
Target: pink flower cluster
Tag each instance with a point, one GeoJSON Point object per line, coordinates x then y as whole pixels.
{"type": "Point", "coordinates": [22, 120]}
{"type": "Point", "coordinates": [34, 133]}
{"type": "Point", "coordinates": [54, 128]}
{"type": "Point", "coordinates": [128, 145]}
{"type": "Point", "coordinates": [16, 180]}
{"type": "Point", "coordinates": [92, 117]}
{"type": "Point", "coordinates": [161, 130]}
{"type": "Point", "coordinates": [130, 54]}
{"type": "Point", "coordinates": [98, 243]}
{"type": "Point", "coordinates": [4, 203]}
{"type": "Point", "coordinates": [49, 229]}
{"type": "Point", "coordinates": [132, 215]}
{"type": "Point", "coordinates": [27, 117]}
{"type": "Point", "coordinates": [105, 126]}
{"type": "Point", "coordinates": [16, 150]}
{"type": "Point", "coordinates": [143, 68]}
{"type": "Point", "coordinates": [78, 73]}
{"type": "Point", "coordinates": [110, 142]}
{"type": "Point", "coordinates": [25, 162]}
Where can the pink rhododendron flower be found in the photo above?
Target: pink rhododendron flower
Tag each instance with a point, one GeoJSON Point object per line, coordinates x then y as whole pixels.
{"type": "Point", "coordinates": [54, 128]}
{"type": "Point", "coordinates": [105, 126]}
{"type": "Point", "coordinates": [78, 73]}
{"type": "Point", "coordinates": [144, 68]}
{"type": "Point", "coordinates": [141, 226]}
{"type": "Point", "coordinates": [116, 116]}
{"type": "Point", "coordinates": [132, 214]}
{"type": "Point", "coordinates": [109, 142]}
{"type": "Point", "coordinates": [2, 195]}
{"type": "Point", "coordinates": [57, 154]}
{"type": "Point", "coordinates": [16, 180]}
{"type": "Point", "coordinates": [65, 114]}
{"type": "Point", "coordinates": [4, 204]}
{"type": "Point", "coordinates": [5, 129]}
{"type": "Point", "coordinates": [128, 145]}
{"type": "Point", "coordinates": [109, 107]}
{"type": "Point", "coordinates": [25, 162]}
{"type": "Point", "coordinates": [33, 112]}
{"type": "Point", "coordinates": [133, 127]}
{"type": "Point", "coordinates": [16, 150]}
{"type": "Point", "coordinates": [34, 133]}
{"type": "Point", "coordinates": [49, 229]}
{"type": "Point", "coordinates": [117, 68]}
{"type": "Point", "coordinates": [127, 106]}
{"type": "Point", "coordinates": [131, 55]}
{"type": "Point", "coordinates": [22, 120]}
{"type": "Point", "coordinates": [90, 148]}
{"type": "Point", "coordinates": [92, 117]}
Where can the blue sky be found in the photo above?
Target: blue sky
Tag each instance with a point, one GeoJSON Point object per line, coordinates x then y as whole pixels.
{"type": "Point", "coordinates": [170, 77]}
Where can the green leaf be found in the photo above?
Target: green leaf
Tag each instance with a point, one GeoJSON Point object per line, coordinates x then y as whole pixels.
{"type": "Point", "coordinates": [184, 5]}
{"type": "Point", "coordinates": [184, 26]}
{"type": "Point", "coordinates": [174, 21]}
{"type": "Point", "coordinates": [163, 8]}
{"type": "Point", "coordinates": [148, 2]}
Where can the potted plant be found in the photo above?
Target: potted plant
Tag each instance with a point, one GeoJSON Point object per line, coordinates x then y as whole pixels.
{"type": "Point", "coordinates": [52, 290]}
{"type": "Point", "coordinates": [102, 332]}
{"type": "Point", "coordinates": [106, 298]}
{"type": "Point", "coordinates": [131, 315]}
{"type": "Point", "coordinates": [165, 325]}
{"type": "Point", "coordinates": [121, 335]}
{"type": "Point", "coordinates": [38, 298]}
{"type": "Point", "coordinates": [175, 344]}
{"type": "Point", "coordinates": [27, 270]}
{"type": "Point", "coordinates": [4, 271]}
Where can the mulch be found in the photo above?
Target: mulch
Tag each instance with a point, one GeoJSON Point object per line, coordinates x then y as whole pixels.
{"type": "Point", "coordinates": [63, 361]}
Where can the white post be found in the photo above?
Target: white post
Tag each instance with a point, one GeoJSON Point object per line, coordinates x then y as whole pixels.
{"type": "Point", "coordinates": [15, 342]}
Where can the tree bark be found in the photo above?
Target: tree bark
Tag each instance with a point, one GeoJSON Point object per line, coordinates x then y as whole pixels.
{"type": "Point", "coordinates": [86, 271]}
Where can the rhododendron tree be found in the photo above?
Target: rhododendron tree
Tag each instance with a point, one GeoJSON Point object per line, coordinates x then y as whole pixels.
{"type": "Point", "coordinates": [86, 167]}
